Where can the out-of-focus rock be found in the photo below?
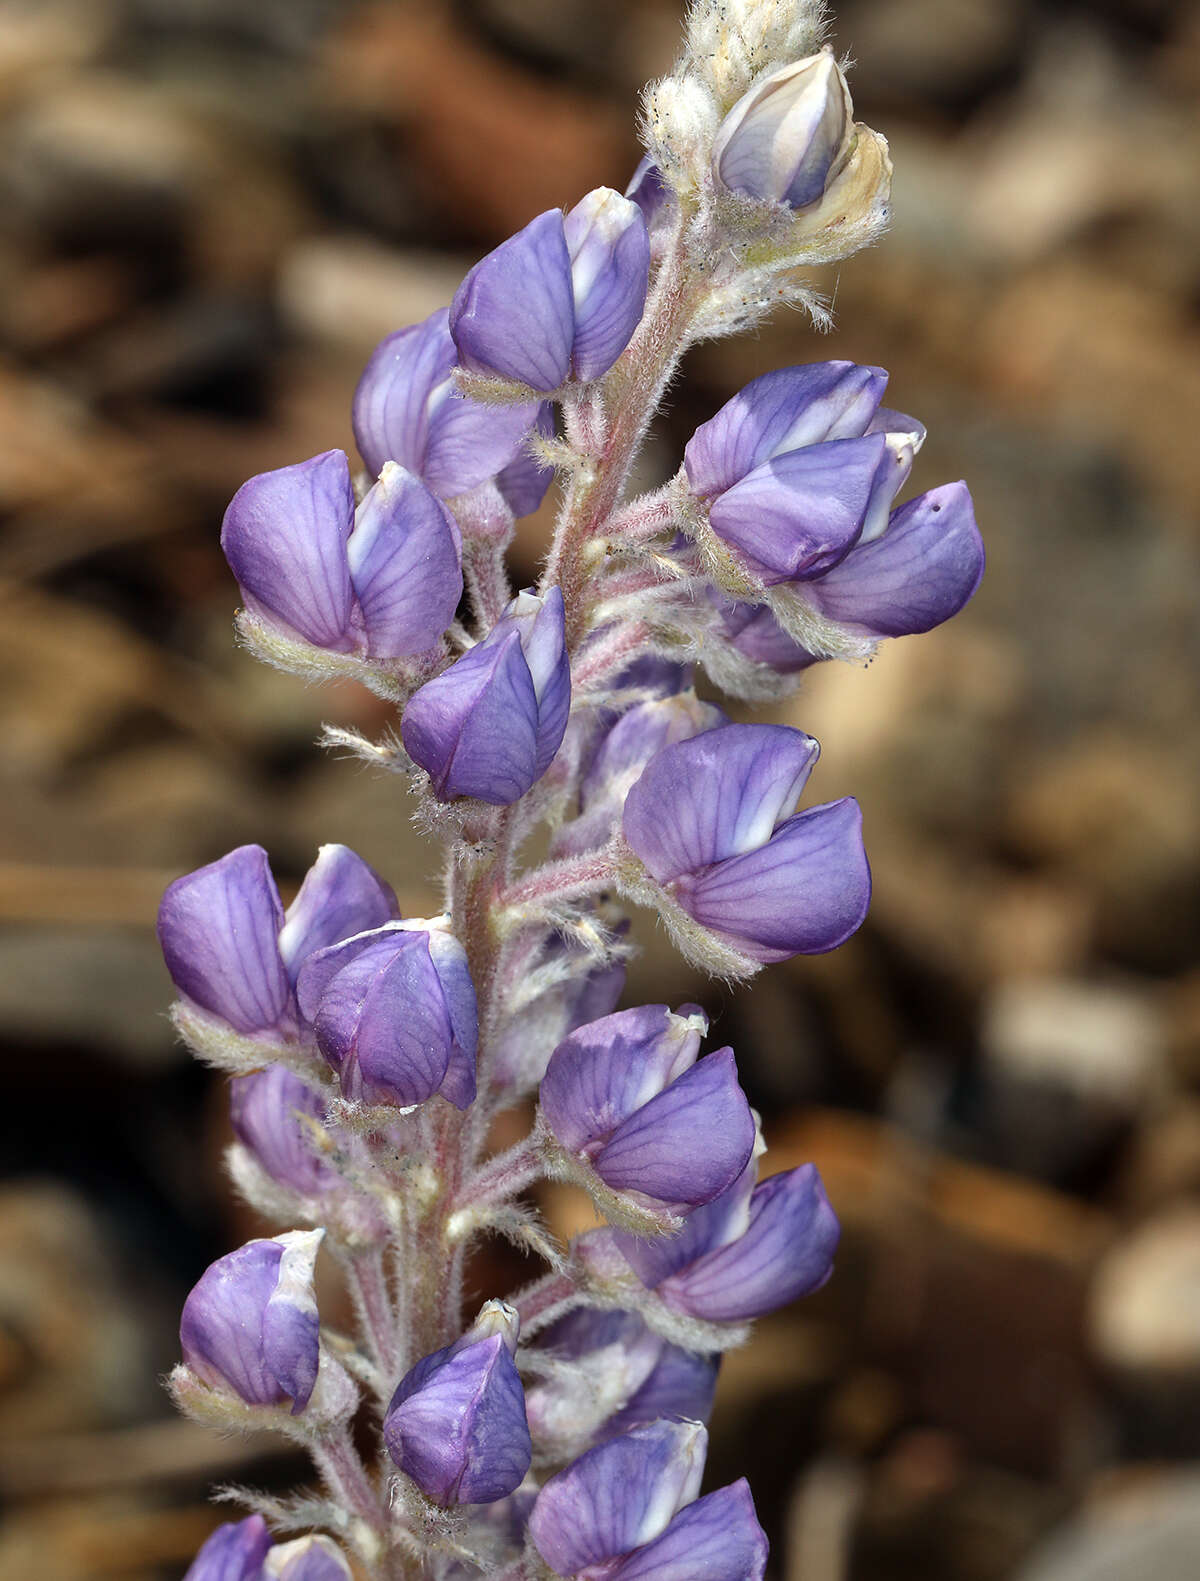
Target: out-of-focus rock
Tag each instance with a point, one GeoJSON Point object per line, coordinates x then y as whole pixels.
{"type": "Point", "coordinates": [929, 1511]}
{"type": "Point", "coordinates": [1149, 1531]}
{"type": "Point", "coordinates": [86, 987]}
{"type": "Point", "coordinates": [1144, 1324]}
{"type": "Point", "coordinates": [39, 42]}
{"type": "Point", "coordinates": [1163, 1161]}
{"type": "Point", "coordinates": [1068, 1067]}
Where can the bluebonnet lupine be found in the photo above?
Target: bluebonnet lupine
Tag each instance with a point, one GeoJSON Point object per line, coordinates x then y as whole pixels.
{"type": "Point", "coordinates": [560, 299]}
{"type": "Point", "coordinates": [625, 1099]}
{"type": "Point", "coordinates": [456, 1423]}
{"type": "Point", "coordinates": [713, 822]}
{"type": "Point", "coordinates": [235, 954]}
{"type": "Point", "coordinates": [250, 1325]}
{"type": "Point", "coordinates": [489, 726]}
{"type": "Point", "coordinates": [555, 745]}
{"type": "Point", "coordinates": [656, 1528]}
{"type": "Point", "coordinates": [393, 1011]}
{"type": "Point", "coordinates": [380, 579]}
{"type": "Point", "coordinates": [243, 1551]}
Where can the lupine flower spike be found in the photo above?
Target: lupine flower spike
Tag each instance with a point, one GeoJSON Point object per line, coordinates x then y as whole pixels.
{"type": "Point", "coordinates": [554, 746]}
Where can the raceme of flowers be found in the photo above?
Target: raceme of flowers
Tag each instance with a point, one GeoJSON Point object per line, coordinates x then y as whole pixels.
{"type": "Point", "coordinates": [558, 1430]}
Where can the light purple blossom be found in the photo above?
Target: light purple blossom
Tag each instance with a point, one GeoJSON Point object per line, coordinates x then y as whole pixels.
{"type": "Point", "coordinates": [713, 821]}
{"type": "Point", "coordinates": [490, 725]}
{"type": "Point", "coordinates": [798, 472]}
{"type": "Point", "coordinates": [393, 1011]}
{"type": "Point", "coordinates": [381, 580]}
{"type": "Point", "coordinates": [231, 948]}
{"type": "Point", "coordinates": [627, 1510]}
{"type": "Point", "coordinates": [456, 1424]}
{"type": "Point", "coordinates": [250, 1324]}
{"type": "Point", "coordinates": [406, 410]}
{"type": "Point", "coordinates": [749, 1251]}
{"type": "Point", "coordinates": [627, 1095]}
{"type": "Point", "coordinates": [558, 300]}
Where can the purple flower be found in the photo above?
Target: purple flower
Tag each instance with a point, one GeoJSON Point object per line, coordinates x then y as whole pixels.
{"type": "Point", "coordinates": [749, 1251]}
{"type": "Point", "coordinates": [717, 1537]}
{"type": "Point", "coordinates": [786, 138]}
{"type": "Point", "coordinates": [234, 1552]}
{"type": "Point", "coordinates": [250, 1325]}
{"type": "Point", "coordinates": [627, 1095]}
{"type": "Point", "coordinates": [800, 466]}
{"type": "Point", "coordinates": [406, 410]}
{"type": "Point", "coordinates": [618, 1497]}
{"type": "Point", "coordinates": [917, 573]}
{"type": "Point", "coordinates": [393, 1011]}
{"type": "Point", "coordinates": [778, 412]}
{"type": "Point", "coordinates": [627, 1511]}
{"type": "Point", "coordinates": [490, 725]}
{"type": "Point", "coordinates": [798, 473]}
{"type": "Point", "coordinates": [622, 1374]}
{"type": "Point", "coordinates": [268, 1109]}
{"type": "Point", "coordinates": [231, 948]}
{"type": "Point", "coordinates": [456, 1425]}
{"type": "Point", "coordinates": [622, 757]}
{"type": "Point", "coordinates": [912, 577]}
{"type": "Point", "coordinates": [314, 1558]}
{"type": "Point", "coordinates": [711, 819]}
{"type": "Point", "coordinates": [558, 300]}
{"type": "Point", "coordinates": [382, 580]}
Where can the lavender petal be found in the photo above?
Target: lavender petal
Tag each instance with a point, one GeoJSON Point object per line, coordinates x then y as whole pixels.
{"type": "Point", "coordinates": [219, 928]}
{"type": "Point", "coordinates": [284, 535]}
{"type": "Point", "coordinates": [514, 314]}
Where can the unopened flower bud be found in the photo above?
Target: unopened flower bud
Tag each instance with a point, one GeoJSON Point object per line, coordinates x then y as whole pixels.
{"type": "Point", "coordinates": [250, 1326]}
{"type": "Point", "coordinates": [490, 725]}
{"type": "Point", "coordinates": [558, 300]}
{"type": "Point", "coordinates": [627, 1510]}
{"type": "Point", "coordinates": [627, 1096]}
{"type": "Point", "coordinates": [393, 1010]}
{"type": "Point", "coordinates": [407, 410]}
{"type": "Point", "coordinates": [712, 820]}
{"type": "Point", "coordinates": [234, 952]}
{"type": "Point", "coordinates": [456, 1425]}
{"type": "Point", "coordinates": [788, 135]}
{"type": "Point", "coordinates": [381, 580]}
{"type": "Point", "coordinates": [234, 1552]}
{"type": "Point", "coordinates": [313, 1558]}
{"type": "Point", "coordinates": [749, 1251]}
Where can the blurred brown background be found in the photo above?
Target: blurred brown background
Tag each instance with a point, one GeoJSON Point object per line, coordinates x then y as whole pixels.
{"type": "Point", "coordinates": [209, 212]}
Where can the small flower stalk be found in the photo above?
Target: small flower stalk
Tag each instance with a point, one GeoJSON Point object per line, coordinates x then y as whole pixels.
{"type": "Point", "coordinates": [555, 746]}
